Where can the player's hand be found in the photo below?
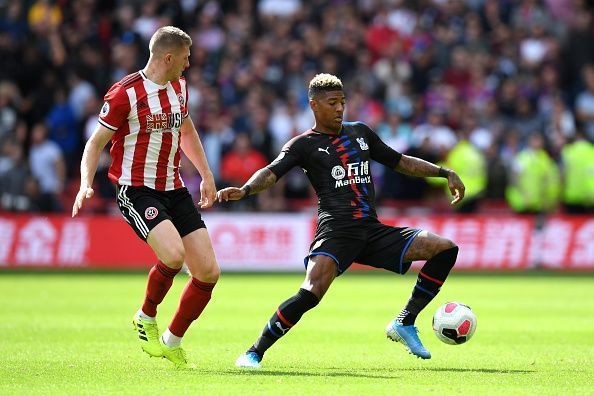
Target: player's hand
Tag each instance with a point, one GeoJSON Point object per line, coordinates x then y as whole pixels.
{"type": "Point", "coordinates": [456, 187]}
{"type": "Point", "coordinates": [208, 193]}
{"type": "Point", "coordinates": [230, 193]}
{"type": "Point", "coordinates": [83, 193]}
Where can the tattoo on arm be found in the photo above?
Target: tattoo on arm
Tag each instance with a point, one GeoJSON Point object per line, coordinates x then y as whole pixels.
{"type": "Point", "coordinates": [260, 181]}
{"type": "Point", "coordinates": [413, 166]}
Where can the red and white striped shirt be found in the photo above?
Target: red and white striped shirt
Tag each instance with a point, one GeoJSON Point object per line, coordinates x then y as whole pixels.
{"type": "Point", "coordinates": [146, 118]}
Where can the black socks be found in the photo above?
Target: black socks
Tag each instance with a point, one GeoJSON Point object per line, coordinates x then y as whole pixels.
{"type": "Point", "coordinates": [285, 317]}
{"type": "Point", "coordinates": [431, 277]}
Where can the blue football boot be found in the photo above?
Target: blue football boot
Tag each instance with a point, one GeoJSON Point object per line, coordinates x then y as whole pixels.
{"type": "Point", "coordinates": [248, 360]}
{"type": "Point", "coordinates": [407, 335]}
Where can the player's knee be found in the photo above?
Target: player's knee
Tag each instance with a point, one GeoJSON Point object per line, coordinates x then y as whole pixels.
{"type": "Point", "coordinates": [174, 257]}
{"type": "Point", "coordinates": [319, 282]}
{"type": "Point", "coordinates": [447, 244]}
{"type": "Point", "coordinates": [444, 244]}
{"type": "Point", "coordinates": [211, 275]}
{"type": "Point", "coordinates": [319, 290]}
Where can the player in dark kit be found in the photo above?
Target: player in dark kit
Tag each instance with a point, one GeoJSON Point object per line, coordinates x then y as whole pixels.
{"type": "Point", "coordinates": [335, 156]}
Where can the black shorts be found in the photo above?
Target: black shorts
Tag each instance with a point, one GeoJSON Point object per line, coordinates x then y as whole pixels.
{"type": "Point", "coordinates": [143, 208]}
{"type": "Point", "coordinates": [368, 242]}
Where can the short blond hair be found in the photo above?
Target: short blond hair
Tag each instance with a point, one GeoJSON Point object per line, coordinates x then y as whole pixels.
{"type": "Point", "coordinates": [323, 82]}
{"type": "Point", "coordinates": [169, 38]}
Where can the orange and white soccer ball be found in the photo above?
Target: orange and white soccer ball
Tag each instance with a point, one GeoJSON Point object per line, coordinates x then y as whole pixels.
{"type": "Point", "coordinates": [454, 323]}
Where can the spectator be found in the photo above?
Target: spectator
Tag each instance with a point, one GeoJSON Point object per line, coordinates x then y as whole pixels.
{"type": "Point", "coordinates": [241, 162]}
{"type": "Point", "coordinates": [578, 176]}
{"type": "Point", "coordinates": [47, 167]}
{"type": "Point", "coordinates": [8, 105]}
{"type": "Point", "coordinates": [534, 180]}
{"type": "Point", "coordinates": [63, 129]}
{"type": "Point", "coordinates": [471, 165]}
{"type": "Point", "coordinates": [440, 137]}
{"type": "Point", "coordinates": [17, 189]}
{"type": "Point", "coordinates": [584, 106]}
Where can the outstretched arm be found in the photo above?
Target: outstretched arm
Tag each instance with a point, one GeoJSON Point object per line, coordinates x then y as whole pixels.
{"type": "Point", "coordinates": [260, 181]}
{"type": "Point", "coordinates": [413, 166]}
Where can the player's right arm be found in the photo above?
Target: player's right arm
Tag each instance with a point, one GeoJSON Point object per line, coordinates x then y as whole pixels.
{"type": "Point", "coordinates": [261, 180]}
{"type": "Point", "coordinates": [113, 114]}
{"type": "Point", "coordinates": [88, 164]}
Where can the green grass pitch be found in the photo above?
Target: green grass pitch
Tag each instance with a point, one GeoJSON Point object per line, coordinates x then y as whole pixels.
{"type": "Point", "coordinates": [67, 334]}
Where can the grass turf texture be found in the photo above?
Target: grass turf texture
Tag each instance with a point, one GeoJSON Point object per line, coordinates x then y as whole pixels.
{"type": "Point", "coordinates": [71, 334]}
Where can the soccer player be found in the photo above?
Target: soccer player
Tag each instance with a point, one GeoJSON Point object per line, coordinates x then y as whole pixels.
{"type": "Point", "coordinates": [146, 117]}
{"type": "Point", "coordinates": [335, 157]}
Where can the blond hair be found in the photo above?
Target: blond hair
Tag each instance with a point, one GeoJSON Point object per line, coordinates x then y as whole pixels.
{"type": "Point", "coordinates": [323, 82]}
{"type": "Point", "coordinates": [169, 38]}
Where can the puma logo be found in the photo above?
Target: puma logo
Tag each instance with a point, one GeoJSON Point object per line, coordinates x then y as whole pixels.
{"type": "Point", "coordinates": [324, 150]}
{"type": "Point", "coordinates": [283, 330]}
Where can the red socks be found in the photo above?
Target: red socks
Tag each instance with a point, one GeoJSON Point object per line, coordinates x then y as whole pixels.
{"type": "Point", "coordinates": [194, 298]}
{"type": "Point", "coordinates": [160, 280]}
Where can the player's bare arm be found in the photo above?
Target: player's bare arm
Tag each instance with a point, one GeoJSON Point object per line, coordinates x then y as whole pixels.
{"type": "Point", "coordinates": [413, 166]}
{"type": "Point", "coordinates": [88, 165]}
{"type": "Point", "coordinates": [192, 148]}
{"type": "Point", "coordinates": [260, 181]}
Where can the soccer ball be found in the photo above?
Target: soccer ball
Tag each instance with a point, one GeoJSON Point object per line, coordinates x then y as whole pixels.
{"type": "Point", "coordinates": [454, 323]}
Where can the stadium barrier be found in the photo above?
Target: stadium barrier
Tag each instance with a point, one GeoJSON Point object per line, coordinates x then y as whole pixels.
{"type": "Point", "coordinates": [278, 242]}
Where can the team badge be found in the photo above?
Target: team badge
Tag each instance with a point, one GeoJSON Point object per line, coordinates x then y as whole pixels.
{"type": "Point", "coordinates": [104, 109]}
{"type": "Point", "coordinates": [362, 143]}
{"type": "Point", "coordinates": [181, 99]}
{"type": "Point", "coordinates": [150, 213]}
{"type": "Point", "coordinates": [338, 172]}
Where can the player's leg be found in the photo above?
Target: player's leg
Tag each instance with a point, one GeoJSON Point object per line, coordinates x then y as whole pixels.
{"type": "Point", "coordinates": [440, 254]}
{"type": "Point", "coordinates": [393, 248]}
{"type": "Point", "coordinates": [321, 271]}
{"type": "Point", "coordinates": [144, 211]}
{"type": "Point", "coordinates": [204, 271]}
{"type": "Point", "coordinates": [166, 243]}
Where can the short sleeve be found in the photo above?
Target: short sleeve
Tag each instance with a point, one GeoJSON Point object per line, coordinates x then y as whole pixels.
{"type": "Point", "coordinates": [380, 151]}
{"type": "Point", "coordinates": [116, 108]}
{"type": "Point", "coordinates": [290, 156]}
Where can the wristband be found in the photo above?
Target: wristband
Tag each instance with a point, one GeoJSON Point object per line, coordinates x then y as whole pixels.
{"type": "Point", "coordinates": [443, 172]}
{"type": "Point", "coordinates": [247, 189]}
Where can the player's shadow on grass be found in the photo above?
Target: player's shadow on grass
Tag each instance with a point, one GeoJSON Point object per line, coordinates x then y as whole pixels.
{"type": "Point", "coordinates": [310, 374]}
{"type": "Point", "coordinates": [363, 373]}
{"type": "Point", "coordinates": [470, 370]}
{"type": "Point", "coordinates": [440, 369]}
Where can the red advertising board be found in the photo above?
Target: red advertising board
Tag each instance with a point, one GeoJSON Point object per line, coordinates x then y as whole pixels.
{"type": "Point", "coordinates": [279, 242]}
{"type": "Point", "coordinates": [59, 241]}
{"type": "Point", "coordinates": [493, 242]}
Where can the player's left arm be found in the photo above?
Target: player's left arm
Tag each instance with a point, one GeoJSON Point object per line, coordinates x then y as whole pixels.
{"type": "Point", "coordinates": [413, 166]}
{"type": "Point", "coordinates": [192, 148]}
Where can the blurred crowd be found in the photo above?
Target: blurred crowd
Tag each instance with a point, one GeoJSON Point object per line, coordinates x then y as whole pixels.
{"type": "Point", "coordinates": [500, 90]}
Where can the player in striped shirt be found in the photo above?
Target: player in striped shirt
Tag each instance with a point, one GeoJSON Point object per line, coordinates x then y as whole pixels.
{"type": "Point", "coordinates": [145, 115]}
